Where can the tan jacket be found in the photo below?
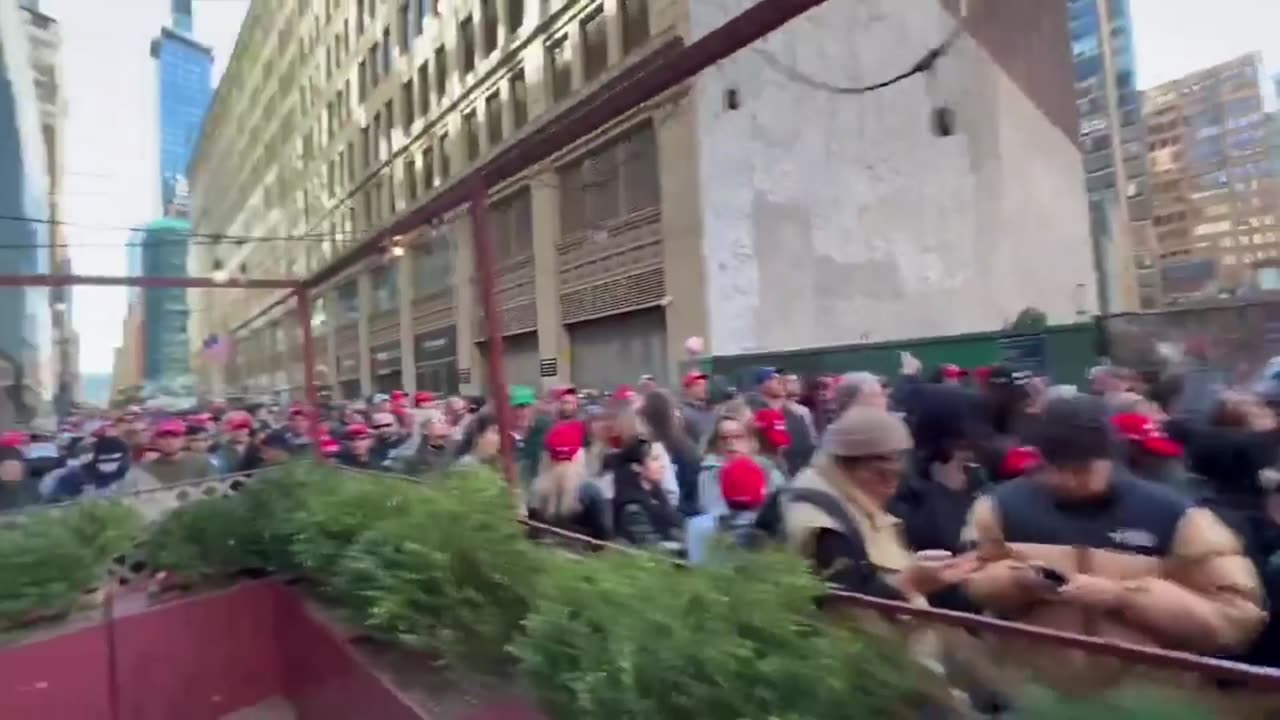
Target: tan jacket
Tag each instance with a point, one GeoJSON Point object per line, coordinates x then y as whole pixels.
{"type": "Point", "coordinates": [1201, 595]}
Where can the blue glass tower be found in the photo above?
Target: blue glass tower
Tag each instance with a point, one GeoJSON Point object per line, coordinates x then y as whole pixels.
{"type": "Point", "coordinates": [1112, 135]}
{"type": "Point", "coordinates": [184, 70]}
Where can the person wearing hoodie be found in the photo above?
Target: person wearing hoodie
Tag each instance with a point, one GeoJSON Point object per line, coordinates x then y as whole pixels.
{"type": "Point", "coordinates": [106, 472]}
{"type": "Point", "coordinates": [174, 464]}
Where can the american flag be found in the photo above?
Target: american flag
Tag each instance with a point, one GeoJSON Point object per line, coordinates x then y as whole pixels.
{"type": "Point", "coordinates": [217, 349]}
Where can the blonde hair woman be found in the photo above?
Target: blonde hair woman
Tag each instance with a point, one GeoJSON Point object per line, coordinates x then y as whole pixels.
{"type": "Point", "coordinates": [562, 495]}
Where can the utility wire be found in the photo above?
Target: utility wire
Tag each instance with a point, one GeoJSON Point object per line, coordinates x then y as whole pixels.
{"type": "Point", "coordinates": [923, 65]}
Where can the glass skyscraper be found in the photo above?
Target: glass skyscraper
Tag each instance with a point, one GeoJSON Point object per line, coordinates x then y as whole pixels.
{"type": "Point", "coordinates": [1112, 142]}
{"type": "Point", "coordinates": [184, 71]}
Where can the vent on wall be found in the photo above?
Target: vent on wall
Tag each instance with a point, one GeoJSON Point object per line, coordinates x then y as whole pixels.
{"type": "Point", "coordinates": [616, 295]}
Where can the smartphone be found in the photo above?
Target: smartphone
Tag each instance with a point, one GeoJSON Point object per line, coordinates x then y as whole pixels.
{"type": "Point", "coordinates": [1053, 577]}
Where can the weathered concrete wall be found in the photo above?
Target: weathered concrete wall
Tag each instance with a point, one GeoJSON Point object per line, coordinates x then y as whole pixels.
{"type": "Point", "coordinates": [836, 218]}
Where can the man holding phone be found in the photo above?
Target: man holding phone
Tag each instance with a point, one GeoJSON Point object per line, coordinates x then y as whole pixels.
{"type": "Point", "coordinates": [1082, 545]}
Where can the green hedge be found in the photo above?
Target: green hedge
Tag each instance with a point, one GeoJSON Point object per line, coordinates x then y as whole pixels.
{"type": "Point", "coordinates": [441, 567]}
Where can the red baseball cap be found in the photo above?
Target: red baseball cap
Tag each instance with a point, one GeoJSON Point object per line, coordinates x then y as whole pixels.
{"type": "Point", "coordinates": [1146, 433]}
{"type": "Point", "coordinates": [399, 395]}
{"type": "Point", "coordinates": [771, 424]}
{"type": "Point", "coordinates": [692, 377]}
{"type": "Point", "coordinates": [565, 390]}
{"type": "Point", "coordinates": [358, 431]}
{"type": "Point", "coordinates": [172, 428]}
{"type": "Point", "coordinates": [743, 483]}
{"type": "Point", "coordinates": [238, 420]}
{"type": "Point", "coordinates": [952, 372]}
{"type": "Point", "coordinates": [13, 439]}
{"type": "Point", "coordinates": [624, 392]}
{"type": "Point", "coordinates": [328, 446]}
{"type": "Point", "coordinates": [564, 440]}
{"type": "Point", "coordinates": [1019, 461]}
{"type": "Point", "coordinates": [423, 397]}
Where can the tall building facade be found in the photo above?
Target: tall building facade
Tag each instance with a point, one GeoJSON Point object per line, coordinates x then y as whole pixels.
{"type": "Point", "coordinates": [711, 211]}
{"type": "Point", "coordinates": [1112, 141]}
{"type": "Point", "coordinates": [184, 73]}
{"type": "Point", "coordinates": [26, 348]}
{"type": "Point", "coordinates": [45, 40]}
{"type": "Point", "coordinates": [1214, 180]}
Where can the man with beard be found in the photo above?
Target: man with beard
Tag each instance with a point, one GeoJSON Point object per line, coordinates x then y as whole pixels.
{"type": "Point", "coordinates": [106, 472]}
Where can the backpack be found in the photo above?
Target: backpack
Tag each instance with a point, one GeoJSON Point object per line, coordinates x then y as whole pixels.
{"type": "Point", "coordinates": [770, 519]}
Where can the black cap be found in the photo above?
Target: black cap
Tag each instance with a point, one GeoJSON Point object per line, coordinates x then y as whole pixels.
{"type": "Point", "coordinates": [278, 439]}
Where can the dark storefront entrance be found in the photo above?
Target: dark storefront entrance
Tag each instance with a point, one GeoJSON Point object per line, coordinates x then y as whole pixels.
{"type": "Point", "coordinates": [385, 362]}
{"type": "Point", "coordinates": [436, 356]}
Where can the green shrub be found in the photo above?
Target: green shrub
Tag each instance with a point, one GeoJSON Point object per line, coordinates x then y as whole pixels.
{"type": "Point", "coordinates": [336, 509]}
{"type": "Point", "coordinates": [206, 540]}
{"type": "Point", "coordinates": [272, 512]}
{"type": "Point", "coordinates": [619, 636]}
{"type": "Point", "coordinates": [45, 566]}
{"type": "Point", "coordinates": [104, 528]}
{"type": "Point", "coordinates": [450, 572]}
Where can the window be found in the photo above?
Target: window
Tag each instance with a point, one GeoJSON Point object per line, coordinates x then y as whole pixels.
{"type": "Point", "coordinates": [610, 183]}
{"type": "Point", "coordinates": [388, 115]}
{"type": "Point", "coordinates": [424, 89]}
{"type": "Point", "coordinates": [442, 73]}
{"type": "Point", "coordinates": [372, 61]}
{"type": "Point", "coordinates": [360, 15]}
{"type": "Point", "coordinates": [595, 44]}
{"type": "Point", "coordinates": [488, 27]}
{"type": "Point", "coordinates": [406, 105]}
{"type": "Point", "coordinates": [410, 178]}
{"type": "Point", "coordinates": [561, 69]}
{"type": "Point", "coordinates": [446, 168]}
{"type": "Point", "coordinates": [406, 22]}
{"type": "Point", "coordinates": [348, 302]}
{"type": "Point", "coordinates": [375, 139]}
{"type": "Point", "coordinates": [351, 163]}
{"type": "Point", "coordinates": [361, 78]}
{"type": "Point", "coordinates": [467, 37]}
{"type": "Point", "coordinates": [519, 99]}
{"type": "Point", "coordinates": [428, 168]}
{"type": "Point", "coordinates": [493, 117]}
{"type": "Point", "coordinates": [386, 288]}
{"type": "Point", "coordinates": [513, 226]}
{"type": "Point", "coordinates": [432, 267]}
{"type": "Point", "coordinates": [424, 10]}
{"type": "Point", "coordinates": [471, 132]}
{"type": "Point", "coordinates": [385, 56]}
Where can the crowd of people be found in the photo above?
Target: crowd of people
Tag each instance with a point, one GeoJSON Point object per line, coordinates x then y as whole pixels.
{"type": "Point", "coordinates": [1144, 508]}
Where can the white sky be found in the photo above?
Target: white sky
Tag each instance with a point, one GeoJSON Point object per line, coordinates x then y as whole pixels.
{"type": "Point", "coordinates": [111, 158]}
{"type": "Point", "coordinates": [111, 173]}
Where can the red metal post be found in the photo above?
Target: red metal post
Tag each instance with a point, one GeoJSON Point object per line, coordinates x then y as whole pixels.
{"type": "Point", "coordinates": [309, 368]}
{"type": "Point", "coordinates": [482, 241]}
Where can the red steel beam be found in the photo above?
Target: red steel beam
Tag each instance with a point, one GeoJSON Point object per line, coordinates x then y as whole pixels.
{"type": "Point", "coordinates": [144, 282]}
{"type": "Point", "coordinates": [482, 233]}
{"type": "Point", "coordinates": [735, 34]}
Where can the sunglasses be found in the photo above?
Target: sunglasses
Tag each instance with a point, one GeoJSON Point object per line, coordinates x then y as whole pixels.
{"type": "Point", "coordinates": [384, 427]}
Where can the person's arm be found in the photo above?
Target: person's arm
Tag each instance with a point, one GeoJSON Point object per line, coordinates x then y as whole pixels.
{"type": "Point", "coordinates": [997, 584]}
{"type": "Point", "coordinates": [1210, 599]}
